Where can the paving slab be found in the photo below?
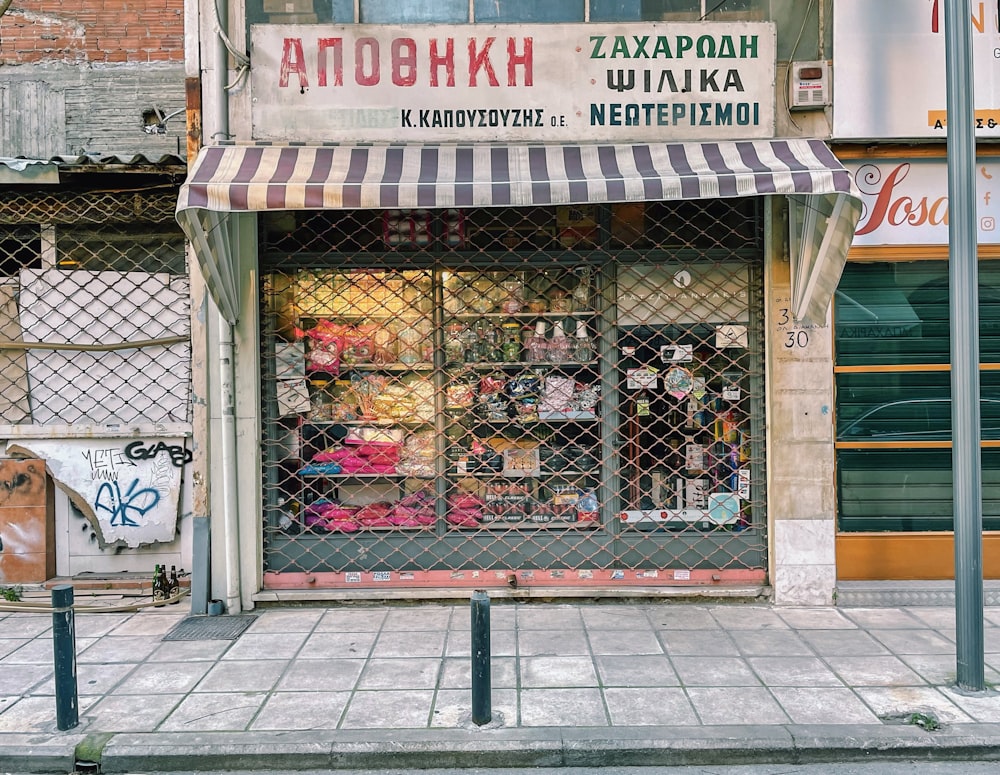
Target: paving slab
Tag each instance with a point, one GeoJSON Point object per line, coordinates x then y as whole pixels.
{"type": "Point", "coordinates": [577, 684]}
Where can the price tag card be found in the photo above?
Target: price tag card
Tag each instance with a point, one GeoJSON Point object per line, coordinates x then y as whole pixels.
{"type": "Point", "coordinates": [731, 336]}
{"type": "Point", "coordinates": [637, 379]}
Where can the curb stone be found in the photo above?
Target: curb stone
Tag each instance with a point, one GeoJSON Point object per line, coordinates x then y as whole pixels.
{"type": "Point", "coordinates": [522, 747]}
{"type": "Point", "coordinates": [38, 752]}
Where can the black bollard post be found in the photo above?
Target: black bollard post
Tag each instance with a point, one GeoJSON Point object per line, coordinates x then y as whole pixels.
{"type": "Point", "coordinates": [64, 647]}
{"type": "Point", "coordinates": [481, 679]}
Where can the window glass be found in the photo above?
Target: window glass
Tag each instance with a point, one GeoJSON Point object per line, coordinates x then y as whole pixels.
{"type": "Point", "coordinates": [396, 12]}
{"type": "Point", "coordinates": [897, 313]}
{"type": "Point", "coordinates": [892, 313]}
{"type": "Point", "coordinates": [912, 406]}
{"type": "Point", "coordinates": [893, 406]}
{"type": "Point", "coordinates": [615, 10]}
{"type": "Point", "coordinates": [674, 10]}
{"type": "Point", "coordinates": [529, 11]}
{"type": "Point", "coordinates": [907, 490]}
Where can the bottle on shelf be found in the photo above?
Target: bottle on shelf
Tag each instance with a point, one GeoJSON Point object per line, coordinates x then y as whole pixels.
{"type": "Point", "coordinates": [560, 347]}
{"type": "Point", "coordinates": [454, 343]}
{"type": "Point", "coordinates": [583, 345]}
{"type": "Point", "coordinates": [487, 342]}
{"type": "Point", "coordinates": [513, 296]}
{"type": "Point", "coordinates": [537, 344]}
{"type": "Point", "coordinates": [560, 301]}
{"type": "Point", "coordinates": [469, 342]}
{"type": "Point", "coordinates": [410, 344]}
{"type": "Point", "coordinates": [581, 293]}
{"type": "Point", "coordinates": [511, 341]}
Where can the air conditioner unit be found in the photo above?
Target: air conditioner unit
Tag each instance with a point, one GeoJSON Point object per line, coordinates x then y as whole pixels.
{"type": "Point", "coordinates": [808, 85]}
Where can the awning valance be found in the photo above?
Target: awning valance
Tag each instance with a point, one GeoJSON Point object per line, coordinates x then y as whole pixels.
{"type": "Point", "coordinates": [253, 178]}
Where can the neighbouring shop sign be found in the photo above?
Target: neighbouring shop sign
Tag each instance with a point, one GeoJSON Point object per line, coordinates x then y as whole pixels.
{"type": "Point", "coordinates": [905, 201]}
{"type": "Point", "coordinates": [482, 83]}
{"type": "Point", "coordinates": [889, 69]}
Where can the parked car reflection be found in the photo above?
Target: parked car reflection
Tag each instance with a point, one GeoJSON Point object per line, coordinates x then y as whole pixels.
{"type": "Point", "coordinates": [916, 419]}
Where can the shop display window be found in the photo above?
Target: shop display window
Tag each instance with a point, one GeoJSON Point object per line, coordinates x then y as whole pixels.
{"type": "Point", "coordinates": [472, 387]}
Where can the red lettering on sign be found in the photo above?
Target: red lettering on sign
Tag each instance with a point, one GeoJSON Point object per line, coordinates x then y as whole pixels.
{"type": "Point", "coordinates": [405, 58]}
{"type": "Point", "coordinates": [337, 44]}
{"type": "Point", "coordinates": [372, 76]}
{"type": "Point", "coordinates": [939, 212]}
{"type": "Point", "coordinates": [404, 61]}
{"type": "Point", "coordinates": [894, 210]}
{"type": "Point", "coordinates": [293, 60]}
{"type": "Point", "coordinates": [514, 59]}
{"type": "Point", "coordinates": [481, 61]}
{"type": "Point", "coordinates": [448, 60]}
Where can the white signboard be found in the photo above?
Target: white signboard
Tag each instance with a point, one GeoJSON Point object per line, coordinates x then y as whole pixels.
{"type": "Point", "coordinates": [905, 202]}
{"type": "Point", "coordinates": [482, 83]}
{"type": "Point", "coordinates": [663, 294]}
{"type": "Point", "coordinates": [889, 69]}
{"type": "Point", "coordinates": [129, 489]}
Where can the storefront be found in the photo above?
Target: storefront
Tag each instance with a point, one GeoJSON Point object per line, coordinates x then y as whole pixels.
{"type": "Point", "coordinates": [892, 356]}
{"type": "Point", "coordinates": [891, 310]}
{"type": "Point", "coordinates": [510, 353]}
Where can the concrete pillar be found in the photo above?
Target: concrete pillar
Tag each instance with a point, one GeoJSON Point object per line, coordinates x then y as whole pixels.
{"type": "Point", "coordinates": [801, 485]}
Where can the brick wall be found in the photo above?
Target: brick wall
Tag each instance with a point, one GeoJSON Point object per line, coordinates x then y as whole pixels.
{"type": "Point", "coordinates": [92, 32]}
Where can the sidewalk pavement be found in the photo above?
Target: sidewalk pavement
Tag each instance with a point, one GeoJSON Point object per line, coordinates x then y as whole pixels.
{"type": "Point", "coordinates": [582, 684]}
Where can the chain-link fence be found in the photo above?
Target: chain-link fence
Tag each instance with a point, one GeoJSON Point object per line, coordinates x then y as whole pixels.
{"type": "Point", "coordinates": [538, 388]}
{"type": "Point", "coordinates": [94, 310]}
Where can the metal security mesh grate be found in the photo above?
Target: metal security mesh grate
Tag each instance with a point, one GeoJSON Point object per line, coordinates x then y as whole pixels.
{"type": "Point", "coordinates": [539, 388]}
{"type": "Point", "coordinates": [210, 628]}
{"type": "Point", "coordinates": [94, 310]}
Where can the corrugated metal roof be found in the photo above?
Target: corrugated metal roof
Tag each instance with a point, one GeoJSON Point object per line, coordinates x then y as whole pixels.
{"type": "Point", "coordinates": [24, 170]}
{"type": "Point", "coordinates": [109, 160]}
{"type": "Point", "coordinates": [36, 171]}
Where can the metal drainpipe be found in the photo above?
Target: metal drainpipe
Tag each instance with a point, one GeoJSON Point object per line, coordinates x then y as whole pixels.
{"type": "Point", "coordinates": [230, 494]}
{"type": "Point", "coordinates": [227, 350]}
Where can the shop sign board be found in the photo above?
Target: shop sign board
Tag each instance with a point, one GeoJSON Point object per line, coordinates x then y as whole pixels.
{"type": "Point", "coordinates": [520, 83]}
{"type": "Point", "coordinates": [666, 294]}
{"type": "Point", "coordinates": [905, 201]}
{"type": "Point", "coordinates": [889, 69]}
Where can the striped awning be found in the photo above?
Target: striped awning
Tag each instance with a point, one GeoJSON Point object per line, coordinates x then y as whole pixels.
{"type": "Point", "coordinates": [229, 179]}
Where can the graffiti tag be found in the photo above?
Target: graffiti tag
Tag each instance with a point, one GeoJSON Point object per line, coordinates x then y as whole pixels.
{"type": "Point", "coordinates": [105, 463]}
{"type": "Point", "coordinates": [178, 454]}
{"type": "Point", "coordinates": [123, 507]}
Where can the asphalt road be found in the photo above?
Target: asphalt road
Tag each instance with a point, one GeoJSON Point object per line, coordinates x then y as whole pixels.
{"type": "Point", "coordinates": [863, 768]}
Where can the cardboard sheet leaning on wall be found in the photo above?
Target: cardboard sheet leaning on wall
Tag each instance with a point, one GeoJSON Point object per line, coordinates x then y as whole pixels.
{"type": "Point", "coordinates": [129, 489]}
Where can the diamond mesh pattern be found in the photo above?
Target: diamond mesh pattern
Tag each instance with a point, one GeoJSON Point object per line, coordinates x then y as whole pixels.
{"type": "Point", "coordinates": [94, 310]}
{"type": "Point", "coordinates": [540, 388]}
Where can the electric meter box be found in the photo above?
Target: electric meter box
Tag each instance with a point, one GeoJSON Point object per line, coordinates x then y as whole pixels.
{"type": "Point", "coordinates": [808, 85]}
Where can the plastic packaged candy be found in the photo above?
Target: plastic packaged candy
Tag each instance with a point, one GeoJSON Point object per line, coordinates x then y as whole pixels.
{"type": "Point", "coordinates": [461, 394]}
{"type": "Point", "coordinates": [523, 386]}
{"type": "Point", "coordinates": [587, 507]}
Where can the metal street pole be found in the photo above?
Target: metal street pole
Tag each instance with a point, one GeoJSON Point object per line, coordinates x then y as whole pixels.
{"type": "Point", "coordinates": [963, 298]}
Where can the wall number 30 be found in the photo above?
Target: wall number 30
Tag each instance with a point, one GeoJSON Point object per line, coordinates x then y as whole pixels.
{"type": "Point", "coordinates": [797, 339]}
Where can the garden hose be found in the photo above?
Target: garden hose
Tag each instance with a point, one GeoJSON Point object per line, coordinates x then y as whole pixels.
{"type": "Point", "coordinates": [46, 607]}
